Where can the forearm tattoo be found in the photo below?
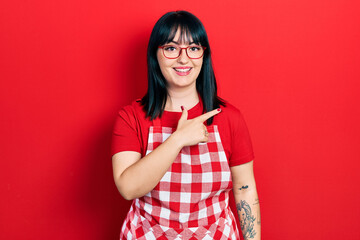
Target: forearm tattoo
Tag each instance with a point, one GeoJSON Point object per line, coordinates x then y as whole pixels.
{"type": "Point", "coordinates": [246, 220]}
{"type": "Point", "coordinates": [244, 187]}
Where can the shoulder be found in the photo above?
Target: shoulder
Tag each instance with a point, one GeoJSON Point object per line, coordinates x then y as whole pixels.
{"type": "Point", "coordinates": [231, 117]}
{"type": "Point", "coordinates": [132, 113]}
{"type": "Point", "coordinates": [133, 109]}
{"type": "Point", "coordinates": [128, 128]}
{"type": "Point", "coordinates": [230, 111]}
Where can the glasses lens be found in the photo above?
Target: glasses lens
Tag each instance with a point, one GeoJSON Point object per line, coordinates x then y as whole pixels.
{"type": "Point", "coordinates": [171, 51]}
{"type": "Point", "coordinates": [195, 51]}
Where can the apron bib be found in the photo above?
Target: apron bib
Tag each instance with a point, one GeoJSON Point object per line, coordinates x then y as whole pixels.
{"type": "Point", "coordinates": [191, 201]}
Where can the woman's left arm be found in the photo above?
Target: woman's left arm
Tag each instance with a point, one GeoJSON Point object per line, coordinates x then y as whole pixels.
{"type": "Point", "coordinates": [247, 201]}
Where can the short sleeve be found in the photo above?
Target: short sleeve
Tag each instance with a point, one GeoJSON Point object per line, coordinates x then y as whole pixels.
{"type": "Point", "coordinates": [241, 145]}
{"type": "Point", "coordinates": [125, 134]}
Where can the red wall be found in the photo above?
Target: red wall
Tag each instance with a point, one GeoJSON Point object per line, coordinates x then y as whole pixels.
{"type": "Point", "coordinates": [66, 67]}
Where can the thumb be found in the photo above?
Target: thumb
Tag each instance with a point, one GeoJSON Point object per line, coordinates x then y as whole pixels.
{"type": "Point", "coordinates": [184, 114]}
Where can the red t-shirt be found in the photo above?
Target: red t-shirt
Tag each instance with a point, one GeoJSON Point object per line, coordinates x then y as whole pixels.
{"type": "Point", "coordinates": [132, 128]}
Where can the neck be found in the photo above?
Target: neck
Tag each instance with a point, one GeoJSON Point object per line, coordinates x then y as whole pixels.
{"type": "Point", "coordinates": [185, 97]}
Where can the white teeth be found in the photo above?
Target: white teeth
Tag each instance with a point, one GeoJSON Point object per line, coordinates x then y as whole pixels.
{"type": "Point", "coordinates": [182, 70]}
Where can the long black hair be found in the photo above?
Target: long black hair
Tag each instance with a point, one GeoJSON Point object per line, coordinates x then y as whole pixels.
{"type": "Point", "coordinates": [164, 32]}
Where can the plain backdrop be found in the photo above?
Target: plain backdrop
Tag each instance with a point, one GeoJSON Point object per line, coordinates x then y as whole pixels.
{"type": "Point", "coordinates": [67, 67]}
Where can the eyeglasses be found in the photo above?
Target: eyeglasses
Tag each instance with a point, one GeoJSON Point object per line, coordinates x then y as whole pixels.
{"type": "Point", "coordinates": [173, 51]}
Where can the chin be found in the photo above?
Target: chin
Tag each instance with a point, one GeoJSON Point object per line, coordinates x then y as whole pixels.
{"type": "Point", "coordinates": [186, 83]}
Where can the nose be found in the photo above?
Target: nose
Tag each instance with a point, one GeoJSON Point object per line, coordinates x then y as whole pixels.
{"type": "Point", "coordinates": [183, 58]}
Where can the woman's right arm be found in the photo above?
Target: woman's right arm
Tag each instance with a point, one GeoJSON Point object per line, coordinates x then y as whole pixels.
{"type": "Point", "coordinates": [135, 176]}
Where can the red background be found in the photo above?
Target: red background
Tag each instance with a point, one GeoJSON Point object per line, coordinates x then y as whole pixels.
{"type": "Point", "coordinates": [292, 67]}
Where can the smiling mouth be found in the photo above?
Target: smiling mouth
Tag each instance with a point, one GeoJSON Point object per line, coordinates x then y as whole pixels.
{"type": "Point", "coordinates": [183, 70]}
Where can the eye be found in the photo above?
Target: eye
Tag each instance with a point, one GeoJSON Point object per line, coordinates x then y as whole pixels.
{"type": "Point", "coordinates": [170, 48]}
{"type": "Point", "coordinates": [194, 48]}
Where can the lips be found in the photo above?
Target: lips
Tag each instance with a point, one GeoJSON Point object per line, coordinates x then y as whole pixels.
{"type": "Point", "coordinates": [182, 71]}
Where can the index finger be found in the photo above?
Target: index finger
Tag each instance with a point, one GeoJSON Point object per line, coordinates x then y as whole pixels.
{"type": "Point", "coordinates": [208, 115]}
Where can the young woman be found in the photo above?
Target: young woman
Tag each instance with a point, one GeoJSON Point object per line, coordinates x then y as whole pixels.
{"type": "Point", "coordinates": [179, 150]}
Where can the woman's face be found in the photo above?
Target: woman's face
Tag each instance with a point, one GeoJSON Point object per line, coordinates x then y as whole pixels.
{"type": "Point", "coordinates": [180, 72]}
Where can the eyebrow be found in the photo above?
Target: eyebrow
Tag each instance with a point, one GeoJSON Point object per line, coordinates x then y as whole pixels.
{"type": "Point", "coordinates": [179, 43]}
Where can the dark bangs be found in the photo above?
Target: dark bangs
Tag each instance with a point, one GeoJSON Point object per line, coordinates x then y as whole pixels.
{"type": "Point", "coordinates": [189, 29]}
